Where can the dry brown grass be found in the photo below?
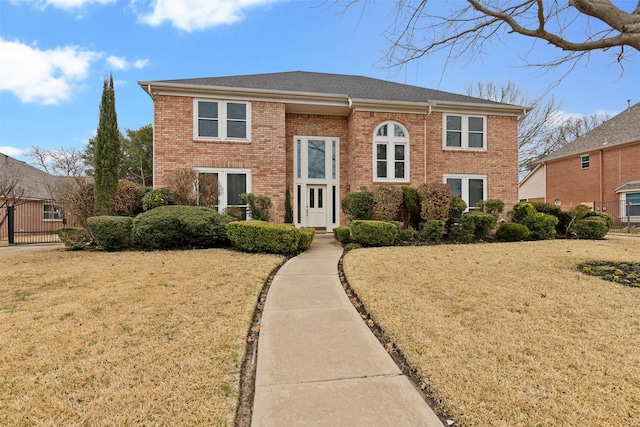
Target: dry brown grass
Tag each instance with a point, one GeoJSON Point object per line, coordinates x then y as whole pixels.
{"type": "Point", "coordinates": [511, 334]}
{"type": "Point", "coordinates": [130, 338]}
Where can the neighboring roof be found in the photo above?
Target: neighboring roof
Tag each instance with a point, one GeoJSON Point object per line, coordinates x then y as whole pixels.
{"type": "Point", "coordinates": [619, 130]}
{"type": "Point", "coordinates": [628, 186]}
{"type": "Point", "coordinates": [339, 85]}
{"type": "Point", "coordinates": [32, 182]}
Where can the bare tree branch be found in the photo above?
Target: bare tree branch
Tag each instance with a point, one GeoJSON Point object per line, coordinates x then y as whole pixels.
{"type": "Point", "coordinates": [577, 27]}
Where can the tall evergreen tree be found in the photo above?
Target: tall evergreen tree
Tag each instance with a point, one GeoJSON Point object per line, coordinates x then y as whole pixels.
{"type": "Point", "coordinates": [106, 152]}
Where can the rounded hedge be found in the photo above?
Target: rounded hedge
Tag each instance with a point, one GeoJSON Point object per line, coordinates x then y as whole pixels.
{"type": "Point", "coordinates": [592, 227]}
{"type": "Point", "coordinates": [266, 237]}
{"type": "Point", "coordinates": [512, 232]}
{"type": "Point", "coordinates": [168, 227]}
{"type": "Point", "coordinates": [374, 233]}
{"type": "Point", "coordinates": [111, 233]}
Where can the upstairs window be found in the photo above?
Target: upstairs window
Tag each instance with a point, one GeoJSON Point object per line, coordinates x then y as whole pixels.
{"type": "Point", "coordinates": [222, 120]}
{"type": "Point", "coordinates": [391, 152]}
{"type": "Point", "coordinates": [465, 132]}
{"type": "Point", "coordinates": [584, 162]}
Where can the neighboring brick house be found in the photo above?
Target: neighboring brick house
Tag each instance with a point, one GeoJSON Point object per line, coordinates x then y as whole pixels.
{"type": "Point", "coordinates": [29, 191]}
{"type": "Point", "coordinates": [600, 169]}
{"type": "Point", "coordinates": [325, 135]}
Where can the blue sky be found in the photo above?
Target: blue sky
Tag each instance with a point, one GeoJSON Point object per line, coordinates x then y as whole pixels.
{"type": "Point", "coordinates": [54, 55]}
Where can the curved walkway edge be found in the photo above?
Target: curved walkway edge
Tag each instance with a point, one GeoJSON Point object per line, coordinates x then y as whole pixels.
{"type": "Point", "coordinates": [318, 362]}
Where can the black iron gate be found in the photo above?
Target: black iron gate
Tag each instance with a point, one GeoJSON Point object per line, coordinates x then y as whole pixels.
{"type": "Point", "coordinates": [33, 221]}
{"type": "Point", "coordinates": [626, 215]}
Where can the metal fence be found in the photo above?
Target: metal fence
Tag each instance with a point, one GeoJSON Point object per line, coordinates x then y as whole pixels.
{"type": "Point", "coordinates": [33, 221]}
{"type": "Point", "coordinates": [626, 215]}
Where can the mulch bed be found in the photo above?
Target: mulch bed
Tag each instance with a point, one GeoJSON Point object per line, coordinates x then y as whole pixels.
{"type": "Point", "coordinates": [624, 273]}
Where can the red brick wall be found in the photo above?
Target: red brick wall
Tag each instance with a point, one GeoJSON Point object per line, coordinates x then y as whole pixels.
{"type": "Point", "coordinates": [572, 185]}
{"type": "Point", "coordinates": [175, 148]}
{"type": "Point", "coordinates": [269, 155]}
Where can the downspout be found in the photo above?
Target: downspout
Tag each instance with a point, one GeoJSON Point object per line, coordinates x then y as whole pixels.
{"type": "Point", "coordinates": [601, 173]}
{"type": "Point", "coordinates": [425, 143]}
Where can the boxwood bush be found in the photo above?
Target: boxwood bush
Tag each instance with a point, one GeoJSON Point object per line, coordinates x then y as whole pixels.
{"type": "Point", "coordinates": [608, 219]}
{"type": "Point", "coordinates": [267, 237]}
{"type": "Point", "coordinates": [480, 222]}
{"type": "Point", "coordinates": [306, 237]}
{"type": "Point", "coordinates": [431, 231]}
{"type": "Point", "coordinates": [374, 233]}
{"type": "Point", "coordinates": [541, 226]}
{"type": "Point", "coordinates": [342, 234]}
{"type": "Point", "coordinates": [512, 232]}
{"type": "Point", "coordinates": [592, 227]}
{"type": "Point", "coordinates": [74, 238]}
{"type": "Point", "coordinates": [358, 205]}
{"type": "Point", "coordinates": [111, 233]}
{"type": "Point", "coordinates": [169, 227]}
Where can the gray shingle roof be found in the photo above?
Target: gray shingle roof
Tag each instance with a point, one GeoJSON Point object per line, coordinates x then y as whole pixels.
{"type": "Point", "coordinates": [619, 130]}
{"type": "Point", "coordinates": [32, 182]}
{"type": "Point", "coordinates": [355, 87]}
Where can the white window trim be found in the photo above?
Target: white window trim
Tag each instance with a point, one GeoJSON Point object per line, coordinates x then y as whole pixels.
{"type": "Point", "coordinates": [623, 200]}
{"type": "Point", "coordinates": [222, 120]}
{"type": "Point", "coordinates": [465, 186]}
{"type": "Point", "coordinates": [582, 167]}
{"type": "Point", "coordinates": [55, 209]}
{"type": "Point", "coordinates": [222, 181]}
{"type": "Point", "coordinates": [391, 141]}
{"type": "Point", "coordinates": [465, 132]}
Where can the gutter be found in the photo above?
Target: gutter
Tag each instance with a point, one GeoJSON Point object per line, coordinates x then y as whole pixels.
{"type": "Point", "coordinates": [425, 142]}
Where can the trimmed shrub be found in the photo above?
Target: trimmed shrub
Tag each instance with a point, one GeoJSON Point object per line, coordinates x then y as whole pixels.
{"type": "Point", "coordinates": [480, 222]}
{"type": "Point", "coordinates": [158, 197]}
{"type": "Point", "coordinates": [358, 205]}
{"type": "Point", "coordinates": [111, 233]}
{"type": "Point", "coordinates": [410, 207]}
{"type": "Point", "coordinates": [435, 201]}
{"type": "Point", "coordinates": [374, 233]}
{"type": "Point", "coordinates": [431, 231]}
{"type": "Point", "coordinates": [259, 206]}
{"type": "Point", "coordinates": [572, 216]}
{"type": "Point", "coordinates": [592, 227]}
{"type": "Point", "coordinates": [386, 202]}
{"type": "Point", "coordinates": [267, 237]}
{"type": "Point", "coordinates": [521, 211]}
{"type": "Point", "coordinates": [306, 237]}
{"type": "Point", "coordinates": [512, 232]}
{"type": "Point", "coordinates": [407, 234]}
{"type": "Point", "coordinates": [128, 198]}
{"type": "Point", "coordinates": [541, 226]}
{"type": "Point", "coordinates": [547, 208]}
{"type": "Point", "coordinates": [491, 206]}
{"type": "Point", "coordinates": [608, 219]}
{"type": "Point", "coordinates": [168, 227]}
{"type": "Point", "coordinates": [74, 238]}
{"type": "Point", "coordinates": [457, 208]}
{"type": "Point", "coordinates": [342, 235]}
{"type": "Point", "coordinates": [461, 232]}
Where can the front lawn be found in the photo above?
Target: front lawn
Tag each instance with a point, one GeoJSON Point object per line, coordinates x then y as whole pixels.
{"type": "Point", "coordinates": [129, 338]}
{"type": "Point", "coordinates": [511, 334]}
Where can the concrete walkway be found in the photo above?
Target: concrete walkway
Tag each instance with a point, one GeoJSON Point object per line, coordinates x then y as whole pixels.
{"type": "Point", "coordinates": [318, 363]}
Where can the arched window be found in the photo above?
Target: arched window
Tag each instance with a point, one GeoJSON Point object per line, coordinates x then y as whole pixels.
{"type": "Point", "coordinates": [391, 152]}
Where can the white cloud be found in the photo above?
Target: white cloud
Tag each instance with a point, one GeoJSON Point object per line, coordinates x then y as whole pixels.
{"type": "Point", "coordinates": [121, 63]}
{"type": "Point", "coordinates": [10, 151]}
{"type": "Point", "coordinates": [190, 15]}
{"type": "Point", "coordinates": [62, 4]}
{"type": "Point", "coordinates": [43, 76]}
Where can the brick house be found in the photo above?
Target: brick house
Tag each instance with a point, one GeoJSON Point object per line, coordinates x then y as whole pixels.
{"type": "Point", "coordinates": [600, 169]}
{"type": "Point", "coordinates": [29, 191]}
{"type": "Point", "coordinates": [325, 135]}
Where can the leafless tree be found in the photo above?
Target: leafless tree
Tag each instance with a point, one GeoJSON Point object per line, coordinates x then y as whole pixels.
{"type": "Point", "coordinates": [465, 29]}
{"type": "Point", "coordinates": [544, 129]}
{"type": "Point", "coordinates": [60, 161]}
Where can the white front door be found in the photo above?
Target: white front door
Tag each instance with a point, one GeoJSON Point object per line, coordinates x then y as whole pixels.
{"type": "Point", "coordinates": [316, 206]}
{"type": "Point", "coordinates": [316, 181]}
